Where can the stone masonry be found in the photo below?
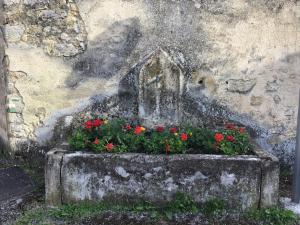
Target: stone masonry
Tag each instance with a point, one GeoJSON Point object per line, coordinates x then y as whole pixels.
{"type": "Point", "coordinates": [241, 60]}
{"type": "Point", "coordinates": [243, 181]}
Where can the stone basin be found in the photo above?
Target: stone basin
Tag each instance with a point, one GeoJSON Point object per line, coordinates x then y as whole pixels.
{"type": "Point", "coordinates": [243, 181]}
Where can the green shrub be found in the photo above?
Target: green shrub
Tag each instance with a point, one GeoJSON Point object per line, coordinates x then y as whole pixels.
{"type": "Point", "coordinates": [182, 203]}
{"type": "Point", "coordinates": [272, 216]}
{"type": "Point", "coordinates": [213, 207]}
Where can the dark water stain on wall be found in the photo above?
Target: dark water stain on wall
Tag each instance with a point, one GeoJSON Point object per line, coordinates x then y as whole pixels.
{"type": "Point", "coordinates": [108, 52]}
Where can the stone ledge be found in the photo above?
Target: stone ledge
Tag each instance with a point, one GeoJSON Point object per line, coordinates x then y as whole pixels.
{"type": "Point", "coordinates": [242, 181]}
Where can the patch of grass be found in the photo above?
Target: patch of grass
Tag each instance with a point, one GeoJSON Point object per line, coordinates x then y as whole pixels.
{"type": "Point", "coordinates": [213, 207]}
{"type": "Point", "coordinates": [34, 216]}
{"type": "Point", "coordinates": [213, 210]}
{"type": "Point", "coordinates": [272, 216]}
{"type": "Point", "coordinates": [181, 204]}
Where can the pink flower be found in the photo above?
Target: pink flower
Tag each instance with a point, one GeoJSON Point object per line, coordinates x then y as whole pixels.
{"type": "Point", "coordinates": [96, 142]}
{"type": "Point", "coordinates": [109, 147]}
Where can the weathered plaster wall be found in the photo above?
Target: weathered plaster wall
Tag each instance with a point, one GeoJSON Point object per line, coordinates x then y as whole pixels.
{"type": "Point", "coordinates": [243, 54]}
{"type": "Point", "coordinates": [3, 121]}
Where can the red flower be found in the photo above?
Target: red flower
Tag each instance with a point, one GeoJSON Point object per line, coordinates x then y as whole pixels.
{"type": "Point", "coordinates": [230, 138]}
{"type": "Point", "coordinates": [183, 137]}
{"type": "Point", "coordinates": [109, 147]}
{"type": "Point", "coordinates": [230, 126]}
{"type": "Point", "coordinates": [88, 124]}
{"type": "Point", "coordinates": [127, 127]}
{"type": "Point", "coordinates": [97, 123]}
{"type": "Point", "coordinates": [160, 129]}
{"type": "Point", "coordinates": [219, 137]}
{"type": "Point", "coordinates": [96, 142]}
{"type": "Point", "coordinates": [139, 130]}
{"type": "Point", "coordinates": [242, 129]}
{"type": "Point", "coordinates": [173, 130]}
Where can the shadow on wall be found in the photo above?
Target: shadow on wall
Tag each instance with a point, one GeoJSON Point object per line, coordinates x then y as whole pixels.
{"type": "Point", "coordinates": [107, 54]}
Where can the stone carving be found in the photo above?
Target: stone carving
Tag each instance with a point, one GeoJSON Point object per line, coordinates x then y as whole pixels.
{"type": "Point", "coordinates": [160, 89]}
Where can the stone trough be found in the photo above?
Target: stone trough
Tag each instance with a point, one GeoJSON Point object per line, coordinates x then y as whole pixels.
{"type": "Point", "coordinates": [242, 181]}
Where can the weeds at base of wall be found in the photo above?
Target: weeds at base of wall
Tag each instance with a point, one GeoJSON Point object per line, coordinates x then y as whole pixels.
{"type": "Point", "coordinates": [213, 211]}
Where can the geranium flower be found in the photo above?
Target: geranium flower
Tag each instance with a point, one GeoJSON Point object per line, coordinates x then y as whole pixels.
{"type": "Point", "coordinates": [230, 126]}
{"type": "Point", "coordinates": [139, 129]}
{"type": "Point", "coordinates": [219, 137]}
{"type": "Point", "coordinates": [109, 147]}
{"type": "Point", "coordinates": [242, 129]}
{"type": "Point", "coordinates": [160, 129]}
{"type": "Point", "coordinates": [96, 142]}
{"type": "Point", "coordinates": [173, 130]}
{"type": "Point", "coordinates": [88, 124]}
{"type": "Point", "coordinates": [230, 138]}
{"type": "Point", "coordinates": [97, 123]}
{"type": "Point", "coordinates": [127, 127]}
{"type": "Point", "coordinates": [184, 137]}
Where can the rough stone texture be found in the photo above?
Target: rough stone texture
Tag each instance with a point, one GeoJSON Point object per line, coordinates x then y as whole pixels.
{"type": "Point", "coordinates": [3, 67]}
{"type": "Point", "coordinates": [269, 180]}
{"type": "Point", "coordinates": [240, 86]}
{"type": "Point", "coordinates": [242, 181]}
{"type": "Point", "coordinates": [56, 26]}
{"type": "Point", "coordinates": [76, 52]}
{"type": "Point", "coordinates": [52, 178]}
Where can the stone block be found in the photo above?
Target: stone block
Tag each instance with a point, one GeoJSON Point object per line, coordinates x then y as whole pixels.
{"type": "Point", "coordinates": [242, 181]}
{"type": "Point", "coordinates": [53, 177]}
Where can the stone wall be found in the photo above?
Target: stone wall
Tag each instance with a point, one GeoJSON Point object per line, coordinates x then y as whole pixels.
{"type": "Point", "coordinates": [242, 55]}
{"type": "Point", "coordinates": [3, 122]}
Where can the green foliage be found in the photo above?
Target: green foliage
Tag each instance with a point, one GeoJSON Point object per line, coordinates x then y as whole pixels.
{"type": "Point", "coordinates": [120, 136]}
{"type": "Point", "coordinates": [201, 141]}
{"type": "Point", "coordinates": [77, 140]}
{"type": "Point", "coordinates": [181, 204]}
{"type": "Point", "coordinates": [272, 216]}
{"type": "Point", "coordinates": [213, 207]}
{"type": "Point", "coordinates": [36, 216]}
{"type": "Point", "coordinates": [239, 144]}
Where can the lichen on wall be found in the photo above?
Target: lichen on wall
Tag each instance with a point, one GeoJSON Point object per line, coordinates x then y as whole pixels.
{"type": "Point", "coordinates": [242, 55]}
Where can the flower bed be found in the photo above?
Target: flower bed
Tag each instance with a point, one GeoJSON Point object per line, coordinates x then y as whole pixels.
{"type": "Point", "coordinates": [120, 136]}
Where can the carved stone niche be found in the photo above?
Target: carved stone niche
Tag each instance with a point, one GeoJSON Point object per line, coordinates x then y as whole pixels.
{"type": "Point", "coordinates": [161, 86]}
